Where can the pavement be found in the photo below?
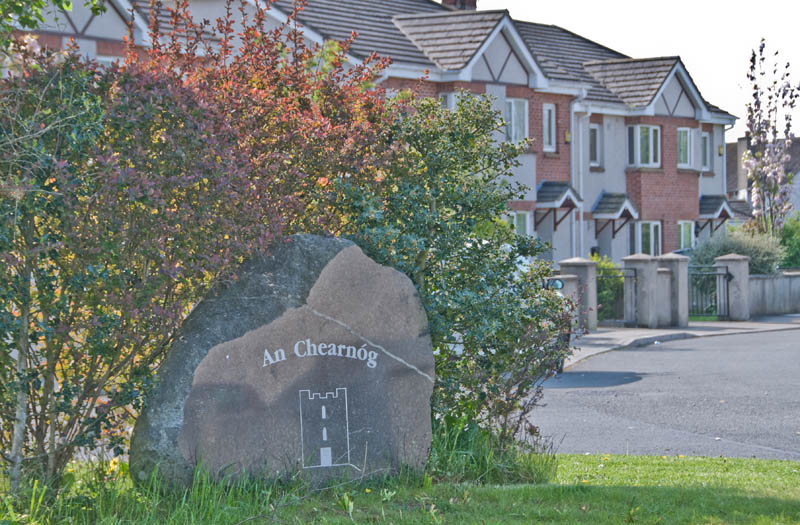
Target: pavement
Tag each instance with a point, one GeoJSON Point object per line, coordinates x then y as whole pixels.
{"type": "Point", "coordinates": [605, 339]}
{"type": "Point", "coordinates": [731, 396]}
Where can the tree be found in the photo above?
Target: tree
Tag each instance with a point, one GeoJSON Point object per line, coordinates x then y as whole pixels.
{"type": "Point", "coordinates": [769, 131]}
{"type": "Point", "coordinates": [28, 14]}
{"type": "Point", "coordinates": [435, 215]}
{"type": "Point", "coordinates": [127, 192]}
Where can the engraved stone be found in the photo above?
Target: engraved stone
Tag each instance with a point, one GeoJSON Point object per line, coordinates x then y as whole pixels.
{"type": "Point", "coordinates": [315, 360]}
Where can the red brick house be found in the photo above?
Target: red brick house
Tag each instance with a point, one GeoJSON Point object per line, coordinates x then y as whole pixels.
{"type": "Point", "coordinates": [627, 156]}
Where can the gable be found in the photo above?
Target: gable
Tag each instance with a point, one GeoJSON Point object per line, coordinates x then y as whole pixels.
{"type": "Point", "coordinates": [674, 101]}
{"type": "Point", "coordinates": [81, 23]}
{"type": "Point", "coordinates": [500, 63]}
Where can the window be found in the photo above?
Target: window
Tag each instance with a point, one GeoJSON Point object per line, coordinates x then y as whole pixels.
{"type": "Point", "coordinates": [648, 237]}
{"type": "Point", "coordinates": [686, 231]}
{"type": "Point", "coordinates": [705, 152]}
{"type": "Point", "coordinates": [644, 145]}
{"type": "Point", "coordinates": [516, 117]}
{"type": "Point", "coordinates": [595, 145]}
{"type": "Point", "coordinates": [448, 100]}
{"type": "Point", "coordinates": [549, 123]}
{"type": "Point", "coordinates": [684, 148]}
{"type": "Point", "coordinates": [519, 221]}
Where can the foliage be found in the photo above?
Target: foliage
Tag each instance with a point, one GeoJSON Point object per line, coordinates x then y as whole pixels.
{"type": "Point", "coordinates": [610, 287]}
{"type": "Point", "coordinates": [790, 240]}
{"type": "Point", "coordinates": [586, 489]}
{"type": "Point", "coordinates": [28, 14]}
{"type": "Point", "coordinates": [767, 156]}
{"type": "Point", "coordinates": [434, 215]}
{"type": "Point", "coordinates": [126, 193]}
{"type": "Point", "coordinates": [764, 250]}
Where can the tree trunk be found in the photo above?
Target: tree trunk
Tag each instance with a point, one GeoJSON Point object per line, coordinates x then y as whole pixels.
{"type": "Point", "coordinates": [21, 412]}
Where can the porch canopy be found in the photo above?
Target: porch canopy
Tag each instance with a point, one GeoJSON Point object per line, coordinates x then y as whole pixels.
{"type": "Point", "coordinates": [552, 196]}
{"type": "Point", "coordinates": [615, 209]}
{"type": "Point", "coordinates": [714, 211]}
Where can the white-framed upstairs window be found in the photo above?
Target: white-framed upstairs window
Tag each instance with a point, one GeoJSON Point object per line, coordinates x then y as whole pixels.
{"type": "Point", "coordinates": [595, 145]}
{"type": "Point", "coordinates": [644, 146]}
{"type": "Point", "coordinates": [448, 100]}
{"type": "Point", "coordinates": [686, 234]}
{"type": "Point", "coordinates": [549, 127]}
{"type": "Point", "coordinates": [685, 148]}
{"type": "Point", "coordinates": [521, 222]}
{"type": "Point", "coordinates": [516, 117]}
{"type": "Point", "coordinates": [647, 238]}
{"type": "Point", "coordinates": [705, 151]}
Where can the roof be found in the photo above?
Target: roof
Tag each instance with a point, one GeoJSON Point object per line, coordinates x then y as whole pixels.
{"type": "Point", "coordinates": [741, 209]}
{"type": "Point", "coordinates": [634, 80]}
{"type": "Point", "coordinates": [561, 55]}
{"type": "Point", "coordinates": [614, 205]}
{"type": "Point", "coordinates": [552, 194]}
{"type": "Point", "coordinates": [713, 206]}
{"type": "Point", "coordinates": [450, 39]}
{"type": "Point", "coordinates": [371, 19]}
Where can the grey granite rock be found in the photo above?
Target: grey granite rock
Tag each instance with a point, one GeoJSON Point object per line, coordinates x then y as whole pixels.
{"type": "Point", "coordinates": [315, 360]}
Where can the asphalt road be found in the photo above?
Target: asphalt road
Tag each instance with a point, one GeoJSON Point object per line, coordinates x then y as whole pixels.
{"type": "Point", "coordinates": [734, 396]}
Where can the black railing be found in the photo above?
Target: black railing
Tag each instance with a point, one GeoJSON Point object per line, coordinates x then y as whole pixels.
{"type": "Point", "coordinates": [708, 292]}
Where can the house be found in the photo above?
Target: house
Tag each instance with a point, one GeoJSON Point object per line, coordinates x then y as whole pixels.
{"type": "Point", "coordinates": [627, 155]}
{"type": "Point", "coordinates": [738, 188]}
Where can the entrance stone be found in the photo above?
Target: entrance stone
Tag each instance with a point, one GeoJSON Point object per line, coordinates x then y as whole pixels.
{"type": "Point", "coordinates": [315, 360]}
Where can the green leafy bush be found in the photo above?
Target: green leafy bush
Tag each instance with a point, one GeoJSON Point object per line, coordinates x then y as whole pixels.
{"type": "Point", "coordinates": [434, 216]}
{"type": "Point", "coordinates": [610, 287]}
{"type": "Point", "coordinates": [790, 241]}
{"type": "Point", "coordinates": [765, 252]}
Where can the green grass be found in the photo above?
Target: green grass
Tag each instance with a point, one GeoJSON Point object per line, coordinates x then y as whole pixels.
{"type": "Point", "coordinates": [586, 489]}
{"type": "Point", "coordinates": [704, 318]}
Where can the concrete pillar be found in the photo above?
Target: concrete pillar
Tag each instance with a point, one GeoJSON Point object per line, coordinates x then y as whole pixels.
{"type": "Point", "coordinates": [679, 288]}
{"type": "Point", "coordinates": [664, 301]}
{"type": "Point", "coordinates": [586, 272]}
{"type": "Point", "coordinates": [738, 287]}
{"type": "Point", "coordinates": [646, 288]}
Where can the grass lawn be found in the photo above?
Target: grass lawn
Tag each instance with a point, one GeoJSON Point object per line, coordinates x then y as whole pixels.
{"type": "Point", "coordinates": [587, 489]}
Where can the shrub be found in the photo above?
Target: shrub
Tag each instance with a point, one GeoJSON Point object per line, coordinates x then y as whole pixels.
{"type": "Point", "coordinates": [764, 251]}
{"type": "Point", "coordinates": [434, 216]}
{"type": "Point", "coordinates": [610, 288]}
{"type": "Point", "coordinates": [790, 240]}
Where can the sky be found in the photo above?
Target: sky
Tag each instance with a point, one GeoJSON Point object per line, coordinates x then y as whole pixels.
{"type": "Point", "coordinates": [714, 38]}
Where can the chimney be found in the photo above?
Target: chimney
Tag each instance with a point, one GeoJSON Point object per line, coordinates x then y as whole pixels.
{"type": "Point", "coordinates": [461, 4]}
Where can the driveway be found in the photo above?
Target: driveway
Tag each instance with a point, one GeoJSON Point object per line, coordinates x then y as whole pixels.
{"type": "Point", "coordinates": [736, 396]}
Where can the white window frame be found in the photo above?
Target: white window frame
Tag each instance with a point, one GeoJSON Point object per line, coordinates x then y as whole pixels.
{"type": "Point", "coordinates": [692, 239]}
{"type": "Point", "coordinates": [511, 120]}
{"type": "Point", "coordinates": [549, 123]}
{"type": "Point", "coordinates": [511, 218]}
{"type": "Point", "coordinates": [689, 136]}
{"type": "Point", "coordinates": [655, 244]}
{"type": "Point", "coordinates": [655, 145]}
{"type": "Point", "coordinates": [598, 142]}
{"type": "Point", "coordinates": [448, 100]}
{"type": "Point", "coordinates": [705, 151]}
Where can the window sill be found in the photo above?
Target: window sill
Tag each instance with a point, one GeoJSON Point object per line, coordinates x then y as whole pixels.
{"type": "Point", "coordinates": [691, 171]}
{"type": "Point", "coordinates": [550, 155]}
{"type": "Point", "coordinates": [636, 169]}
{"type": "Point", "coordinates": [705, 173]}
{"type": "Point", "coordinates": [597, 169]}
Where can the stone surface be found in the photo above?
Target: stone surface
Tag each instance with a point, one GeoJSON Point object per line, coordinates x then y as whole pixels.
{"type": "Point", "coordinates": [315, 360]}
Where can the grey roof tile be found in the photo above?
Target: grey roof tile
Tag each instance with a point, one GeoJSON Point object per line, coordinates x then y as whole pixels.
{"type": "Point", "coordinates": [610, 203]}
{"type": "Point", "coordinates": [450, 39]}
{"type": "Point", "coordinates": [634, 81]}
{"type": "Point", "coordinates": [553, 191]}
{"type": "Point", "coordinates": [709, 204]}
{"type": "Point", "coordinates": [561, 55]}
{"type": "Point", "coordinates": [371, 19]}
{"type": "Point", "coordinates": [741, 209]}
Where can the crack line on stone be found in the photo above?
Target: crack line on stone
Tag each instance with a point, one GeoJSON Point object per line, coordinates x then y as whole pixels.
{"type": "Point", "coordinates": [379, 347]}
